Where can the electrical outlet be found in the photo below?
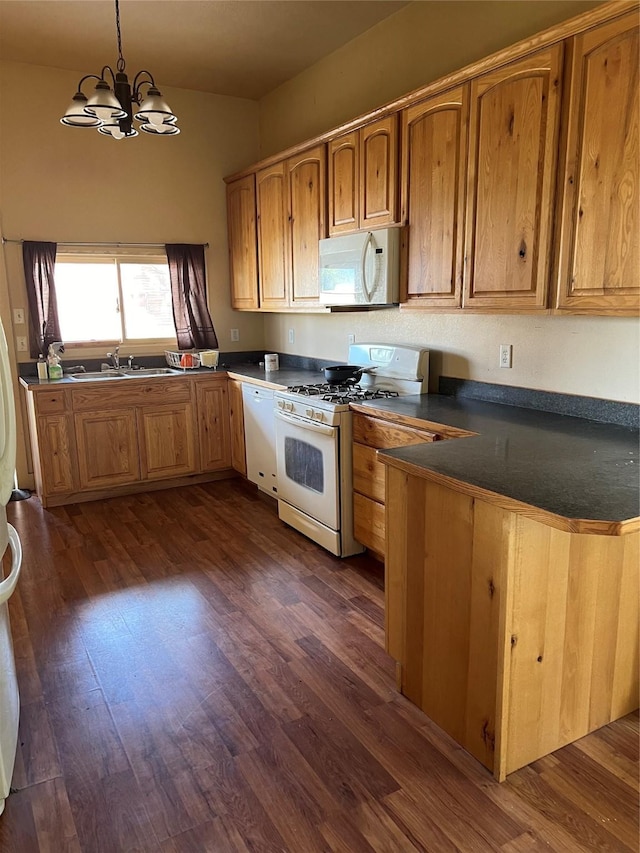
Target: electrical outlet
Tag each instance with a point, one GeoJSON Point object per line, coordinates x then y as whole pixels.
{"type": "Point", "coordinates": [292, 336]}
{"type": "Point", "coordinates": [351, 339]}
{"type": "Point", "coordinates": [506, 355]}
{"type": "Point", "coordinates": [18, 316]}
{"type": "Point", "coordinates": [21, 344]}
{"type": "Point", "coordinates": [235, 334]}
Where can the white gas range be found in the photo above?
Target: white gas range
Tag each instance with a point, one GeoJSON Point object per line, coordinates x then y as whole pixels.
{"type": "Point", "coordinates": [314, 435]}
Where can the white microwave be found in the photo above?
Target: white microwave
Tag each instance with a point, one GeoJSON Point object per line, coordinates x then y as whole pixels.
{"type": "Point", "coordinates": [362, 269]}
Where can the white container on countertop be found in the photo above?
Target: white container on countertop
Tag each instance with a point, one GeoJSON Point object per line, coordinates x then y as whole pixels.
{"type": "Point", "coordinates": [209, 358]}
{"type": "Point", "coordinates": [271, 361]}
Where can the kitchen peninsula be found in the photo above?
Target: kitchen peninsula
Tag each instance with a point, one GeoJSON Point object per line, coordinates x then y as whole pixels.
{"type": "Point", "coordinates": [512, 575]}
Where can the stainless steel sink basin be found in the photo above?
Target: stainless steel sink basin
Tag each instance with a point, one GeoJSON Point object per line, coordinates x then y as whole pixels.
{"type": "Point", "coordinates": [149, 371]}
{"type": "Point", "coordinates": [123, 373]}
{"type": "Point", "coordinates": [98, 374]}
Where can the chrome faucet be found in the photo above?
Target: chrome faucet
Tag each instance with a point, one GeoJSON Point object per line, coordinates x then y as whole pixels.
{"type": "Point", "coordinates": [115, 357]}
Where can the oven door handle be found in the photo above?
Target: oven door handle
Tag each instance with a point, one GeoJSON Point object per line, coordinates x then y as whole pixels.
{"type": "Point", "coordinates": [303, 423]}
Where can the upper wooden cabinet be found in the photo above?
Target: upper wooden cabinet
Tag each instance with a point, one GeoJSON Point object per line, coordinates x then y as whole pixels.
{"type": "Point", "coordinates": [599, 258]}
{"type": "Point", "coordinates": [291, 204]}
{"type": "Point", "coordinates": [363, 177]}
{"type": "Point", "coordinates": [434, 159]}
{"type": "Point", "coordinates": [307, 220]}
{"type": "Point", "coordinates": [243, 259]}
{"type": "Point", "coordinates": [273, 236]}
{"type": "Point", "coordinates": [513, 135]}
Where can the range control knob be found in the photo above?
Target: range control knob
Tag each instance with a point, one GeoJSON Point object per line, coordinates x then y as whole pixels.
{"type": "Point", "coordinates": [309, 413]}
{"type": "Point", "coordinates": [318, 416]}
{"type": "Point", "coordinates": [281, 404]}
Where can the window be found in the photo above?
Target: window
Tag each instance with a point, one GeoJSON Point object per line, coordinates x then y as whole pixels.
{"type": "Point", "coordinates": [106, 297]}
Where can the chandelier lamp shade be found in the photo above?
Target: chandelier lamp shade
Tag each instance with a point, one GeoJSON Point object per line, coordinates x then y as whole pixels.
{"type": "Point", "coordinates": [115, 103]}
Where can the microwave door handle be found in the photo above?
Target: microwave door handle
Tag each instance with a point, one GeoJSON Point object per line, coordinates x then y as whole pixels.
{"type": "Point", "coordinates": [363, 269]}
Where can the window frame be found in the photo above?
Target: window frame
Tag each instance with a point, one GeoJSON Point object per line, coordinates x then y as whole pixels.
{"type": "Point", "coordinates": [69, 253]}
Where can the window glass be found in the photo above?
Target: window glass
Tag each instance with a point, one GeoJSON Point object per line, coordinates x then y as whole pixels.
{"type": "Point", "coordinates": [146, 292]}
{"type": "Point", "coordinates": [87, 297]}
{"type": "Point", "coordinates": [119, 298]}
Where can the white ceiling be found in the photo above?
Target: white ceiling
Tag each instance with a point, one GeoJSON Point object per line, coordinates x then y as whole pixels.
{"type": "Point", "coordinates": [243, 48]}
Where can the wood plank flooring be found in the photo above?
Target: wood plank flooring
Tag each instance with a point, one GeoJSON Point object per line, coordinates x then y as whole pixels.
{"type": "Point", "coordinates": [196, 676]}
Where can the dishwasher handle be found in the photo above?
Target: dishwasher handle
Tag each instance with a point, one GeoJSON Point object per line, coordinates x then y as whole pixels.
{"type": "Point", "coordinates": [303, 423]}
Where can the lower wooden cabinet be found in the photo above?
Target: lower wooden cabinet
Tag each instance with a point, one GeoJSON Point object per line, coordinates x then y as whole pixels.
{"type": "Point", "coordinates": [236, 423]}
{"type": "Point", "coordinates": [107, 443]}
{"type": "Point", "coordinates": [56, 468]}
{"type": "Point", "coordinates": [93, 441]}
{"type": "Point", "coordinates": [214, 426]}
{"type": "Point", "coordinates": [369, 435]}
{"type": "Point", "coordinates": [167, 441]}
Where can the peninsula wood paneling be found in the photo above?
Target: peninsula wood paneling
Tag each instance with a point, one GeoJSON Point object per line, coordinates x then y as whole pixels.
{"type": "Point", "coordinates": [513, 134]}
{"type": "Point", "coordinates": [515, 637]}
{"type": "Point", "coordinates": [236, 424]}
{"type": "Point", "coordinates": [599, 241]}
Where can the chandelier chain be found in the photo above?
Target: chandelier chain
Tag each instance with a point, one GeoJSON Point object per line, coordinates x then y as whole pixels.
{"type": "Point", "coordinates": [121, 62]}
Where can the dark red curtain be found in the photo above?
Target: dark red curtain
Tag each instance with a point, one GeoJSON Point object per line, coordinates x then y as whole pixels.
{"type": "Point", "coordinates": [194, 328]}
{"type": "Point", "coordinates": [39, 261]}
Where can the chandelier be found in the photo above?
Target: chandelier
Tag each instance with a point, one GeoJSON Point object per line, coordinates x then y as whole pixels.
{"type": "Point", "coordinates": [112, 110]}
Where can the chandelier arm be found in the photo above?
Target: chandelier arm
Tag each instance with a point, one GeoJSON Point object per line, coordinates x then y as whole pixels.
{"type": "Point", "coordinates": [88, 77]}
{"type": "Point", "coordinates": [110, 70]}
{"type": "Point", "coordinates": [138, 83]}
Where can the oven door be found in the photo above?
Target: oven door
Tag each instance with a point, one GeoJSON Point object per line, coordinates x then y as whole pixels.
{"type": "Point", "coordinates": [307, 465]}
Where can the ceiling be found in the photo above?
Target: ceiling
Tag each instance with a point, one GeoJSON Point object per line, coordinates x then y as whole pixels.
{"type": "Point", "coordinates": [243, 48]}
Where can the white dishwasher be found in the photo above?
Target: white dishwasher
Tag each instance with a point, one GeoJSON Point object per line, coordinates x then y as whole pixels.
{"type": "Point", "coordinates": [260, 437]}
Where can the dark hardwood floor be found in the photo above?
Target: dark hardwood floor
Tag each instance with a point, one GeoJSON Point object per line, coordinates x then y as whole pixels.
{"type": "Point", "coordinates": [196, 676]}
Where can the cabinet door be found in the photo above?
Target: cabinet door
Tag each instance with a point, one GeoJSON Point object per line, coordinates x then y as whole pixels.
{"type": "Point", "coordinates": [107, 448]}
{"type": "Point", "coordinates": [242, 232]}
{"type": "Point", "coordinates": [213, 425]}
{"type": "Point", "coordinates": [344, 176]}
{"type": "Point", "coordinates": [236, 421]}
{"type": "Point", "coordinates": [379, 173]}
{"type": "Point", "coordinates": [599, 254]}
{"type": "Point", "coordinates": [512, 170]}
{"type": "Point", "coordinates": [307, 202]}
{"type": "Point", "coordinates": [274, 255]}
{"type": "Point", "coordinates": [434, 157]}
{"type": "Point", "coordinates": [167, 445]}
{"type": "Point", "coordinates": [55, 453]}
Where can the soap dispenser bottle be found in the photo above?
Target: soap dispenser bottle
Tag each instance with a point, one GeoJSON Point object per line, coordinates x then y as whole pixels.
{"type": "Point", "coordinates": [53, 360]}
{"type": "Point", "coordinates": [42, 368]}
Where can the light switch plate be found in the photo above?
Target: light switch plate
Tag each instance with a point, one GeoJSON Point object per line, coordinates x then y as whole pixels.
{"type": "Point", "coordinates": [18, 316]}
{"type": "Point", "coordinates": [21, 344]}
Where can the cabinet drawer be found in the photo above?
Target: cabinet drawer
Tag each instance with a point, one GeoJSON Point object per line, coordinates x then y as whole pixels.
{"type": "Point", "coordinates": [132, 392]}
{"type": "Point", "coordinates": [52, 402]}
{"type": "Point", "coordinates": [368, 473]}
{"type": "Point", "coordinates": [369, 523]}
{"type": "Point", "coordinates": [382, 434]}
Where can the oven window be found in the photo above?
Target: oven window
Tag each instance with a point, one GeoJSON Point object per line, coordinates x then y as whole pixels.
{"type": "Point", "coordinates": [303, 464]}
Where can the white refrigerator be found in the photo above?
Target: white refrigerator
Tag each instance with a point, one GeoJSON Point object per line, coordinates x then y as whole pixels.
{"type": "Point", "coordinates": [9, 697]}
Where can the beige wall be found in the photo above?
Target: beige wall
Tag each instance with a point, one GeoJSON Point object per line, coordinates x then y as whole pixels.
{"type": "Point", "coordinates": [423, 41]}
{"type": "Point", "coordinates": [589, 356]}
{"type": "Point", "coordinates": [71, 184]}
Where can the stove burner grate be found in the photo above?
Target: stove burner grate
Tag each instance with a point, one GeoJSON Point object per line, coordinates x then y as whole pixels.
{"type": "Point", "coordinates": [347, 392]}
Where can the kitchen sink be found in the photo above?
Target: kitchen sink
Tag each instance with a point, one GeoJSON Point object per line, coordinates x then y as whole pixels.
{"type": "Point", "coordinates": [123, 373]}
{"type": "Point", "coordinates": [150, 371]}
{"type": "Point", "coordinates": [98, 374]}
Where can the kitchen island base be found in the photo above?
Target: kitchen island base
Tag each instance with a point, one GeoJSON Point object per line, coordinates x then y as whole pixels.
{"type": "Point", "coordinates": [515, 636]}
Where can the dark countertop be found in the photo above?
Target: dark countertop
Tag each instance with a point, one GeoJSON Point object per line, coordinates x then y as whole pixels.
{"type": "Point", "coordinates": [570, 467]}
{"type": "Point", "coordinates": [244, 372]}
